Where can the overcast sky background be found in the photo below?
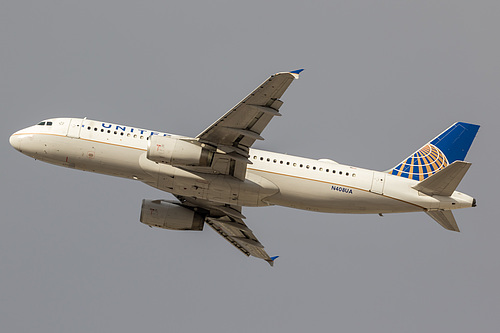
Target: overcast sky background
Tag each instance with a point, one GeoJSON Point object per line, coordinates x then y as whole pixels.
{"type": "Point", "coordinates": [382, 78]}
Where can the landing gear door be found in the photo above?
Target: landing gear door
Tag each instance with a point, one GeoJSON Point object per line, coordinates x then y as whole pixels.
{"type": "Point", "coordinates": [378, 182]}
{"type": "Point", "coordinates": [75, 125]}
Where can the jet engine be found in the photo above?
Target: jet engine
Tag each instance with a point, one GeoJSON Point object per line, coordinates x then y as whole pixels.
{"type": "Point", "coordinates": [170, 215]}
{"type": "Point", "coordinates": [177, 152]}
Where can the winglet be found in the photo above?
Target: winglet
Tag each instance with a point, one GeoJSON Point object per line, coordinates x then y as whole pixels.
{"type": "Point", "coordinates": [271, 260]}
{"type": "Point", "coordinates": [296, 73]}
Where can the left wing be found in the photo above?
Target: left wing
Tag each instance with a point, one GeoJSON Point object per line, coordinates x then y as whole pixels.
{"type": "Point", "coordinates": [227, 221]}
{"type": "Point", "coordinates": [236, 131]}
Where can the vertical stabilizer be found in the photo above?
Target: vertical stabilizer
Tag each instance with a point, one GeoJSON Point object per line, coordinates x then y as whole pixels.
{"type": "Point", "coordinates": [450, 146]}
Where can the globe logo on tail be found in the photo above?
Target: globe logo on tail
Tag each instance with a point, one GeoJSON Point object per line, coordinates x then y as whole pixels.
{"type": "Point", "coordinates": [423, 163]}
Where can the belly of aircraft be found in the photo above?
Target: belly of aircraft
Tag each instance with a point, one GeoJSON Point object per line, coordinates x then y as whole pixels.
{"type": "Point", "coordinates": [328, 197]}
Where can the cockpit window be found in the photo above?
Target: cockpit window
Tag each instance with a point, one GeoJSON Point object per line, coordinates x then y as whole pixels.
{"type": "Point", "coordinates": [43, 123]}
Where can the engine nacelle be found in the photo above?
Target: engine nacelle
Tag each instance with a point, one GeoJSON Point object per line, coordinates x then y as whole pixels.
{"type": "Point", "coordinates": [169, 215]}
{"type": "Point", "coordinates": [174, 151]}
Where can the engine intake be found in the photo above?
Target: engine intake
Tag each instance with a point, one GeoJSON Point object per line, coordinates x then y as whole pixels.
{"type": "Point", "coordinates": [174, 151]}
{"type": "Point", "coordinates": [170, 215]}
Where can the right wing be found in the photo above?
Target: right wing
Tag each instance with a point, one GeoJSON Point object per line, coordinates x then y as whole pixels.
{"type": "Point", "coordinates": [237, 130]}
{"type": "Point", "coordinates": [227, 221]}
{"type": "Point", "coordinates": [243, 124]}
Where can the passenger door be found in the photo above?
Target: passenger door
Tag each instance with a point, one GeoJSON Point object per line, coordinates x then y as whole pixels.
{"type": "Point", "coordinates": [75, 126]}
{"type": "Point", "coordinates": [378, 182]}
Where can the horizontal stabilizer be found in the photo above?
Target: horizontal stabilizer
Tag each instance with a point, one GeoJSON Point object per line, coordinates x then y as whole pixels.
{"type": "Point", "coordinates": [444, 182]}
{"type": "Point", "coordinates": [445, 218]}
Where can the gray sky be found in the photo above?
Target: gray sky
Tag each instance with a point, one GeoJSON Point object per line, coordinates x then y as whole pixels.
{"type": "Point", "coordinates": [381, 79]}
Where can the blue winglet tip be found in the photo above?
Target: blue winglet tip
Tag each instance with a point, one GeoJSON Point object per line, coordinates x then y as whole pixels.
{"type": "Point", "coordinates": [296, 73]}
{"type": "Point", "coordinates": [271, 260]}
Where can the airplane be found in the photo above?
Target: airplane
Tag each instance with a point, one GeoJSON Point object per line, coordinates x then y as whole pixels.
{"type": "Point", "coordinates": [216, 173]}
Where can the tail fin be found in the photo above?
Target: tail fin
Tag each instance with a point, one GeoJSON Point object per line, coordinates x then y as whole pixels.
{"type": "Point", "coordinates": [450, 146]}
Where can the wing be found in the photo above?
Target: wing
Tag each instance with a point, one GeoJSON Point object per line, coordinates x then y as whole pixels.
{"type": "Point", "coordinates": [231, 136]}
{"type": "Point", "coordinates": [236, 131]}
{"type": "Point", "coordinates": [227, 221]}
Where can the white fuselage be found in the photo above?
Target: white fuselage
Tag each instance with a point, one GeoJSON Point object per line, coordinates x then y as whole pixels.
{"type": "Point", "coordinates": [271, 179]}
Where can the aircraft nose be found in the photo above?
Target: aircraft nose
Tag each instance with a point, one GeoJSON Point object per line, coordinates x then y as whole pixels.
{"type": "Point", "coordinates": [15, 141]}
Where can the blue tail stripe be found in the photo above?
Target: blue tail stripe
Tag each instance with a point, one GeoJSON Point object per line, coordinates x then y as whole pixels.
{"type": "Point", "coordinates": [450, 146]}
{"type": "Point", "coordinates": [456, 141]}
